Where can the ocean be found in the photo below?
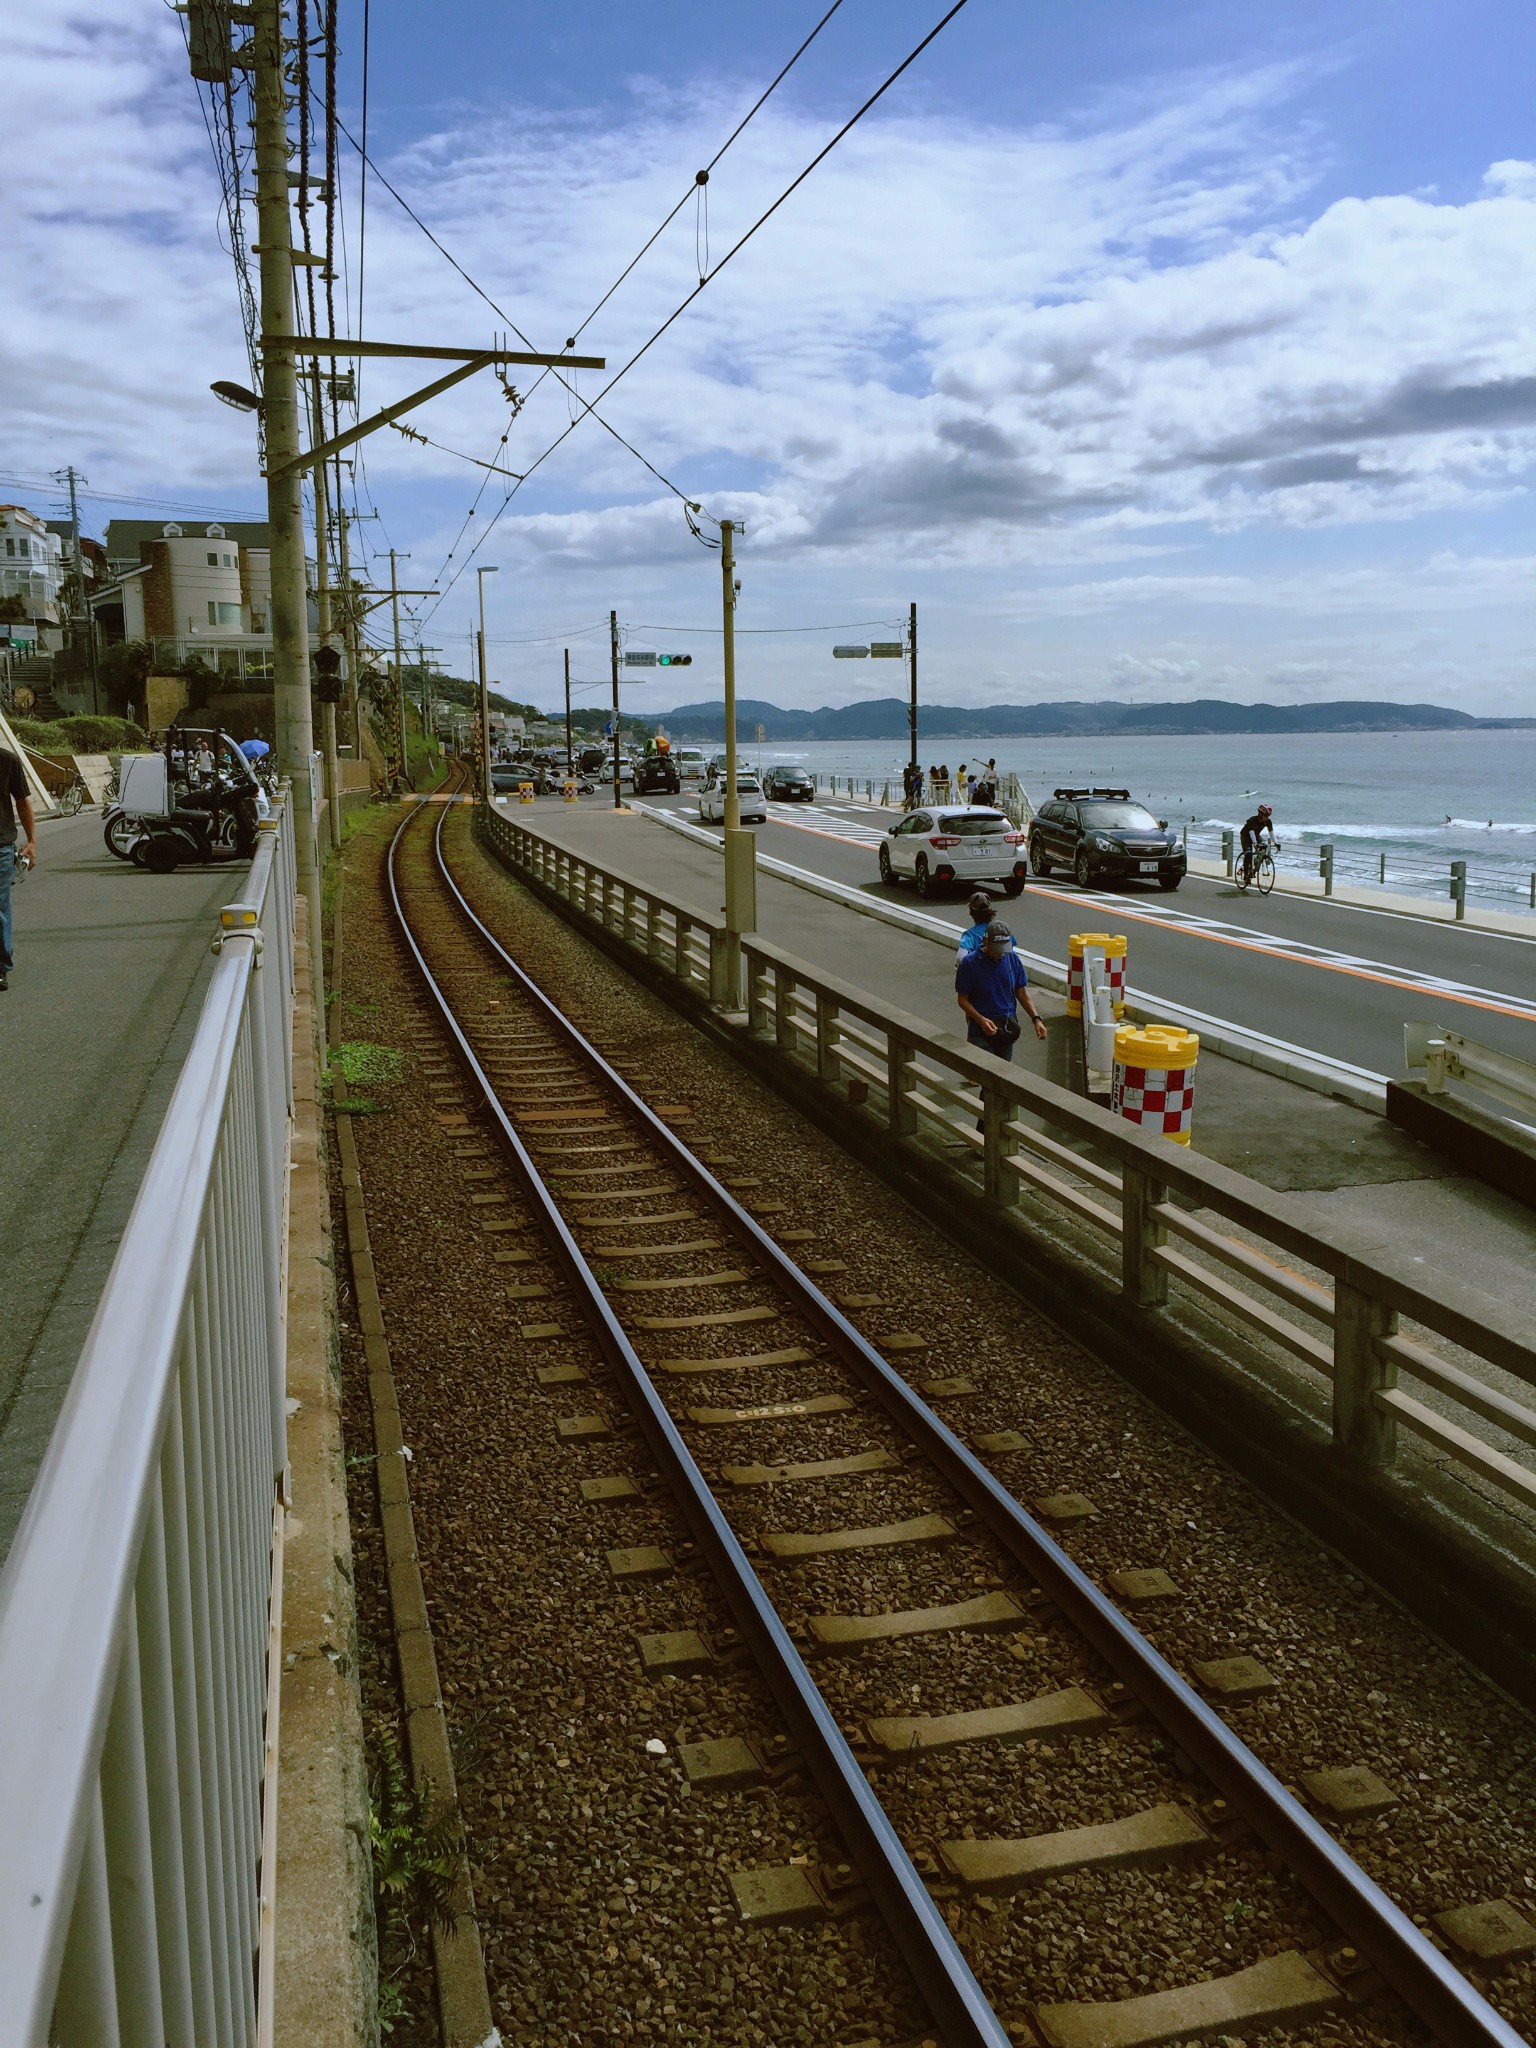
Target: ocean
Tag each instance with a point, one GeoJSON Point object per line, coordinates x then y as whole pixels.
{"type": "Point", "coordinates": [1415, 801]}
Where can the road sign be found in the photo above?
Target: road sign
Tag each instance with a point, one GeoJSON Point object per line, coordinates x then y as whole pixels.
{"type": "Point", "coordinates": [608, 730]}
{"type": "Point", "coordinates": [762, 734]}
{"type": "Point", "coordinates": [639, 661]}
{"type": "Point", "coordinates": [886, 650]}
{"type": "Point", "coordinates": [850, 653]}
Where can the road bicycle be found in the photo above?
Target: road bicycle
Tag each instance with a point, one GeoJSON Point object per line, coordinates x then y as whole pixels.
{"type": "Point", "coordinates": [1257, 870]}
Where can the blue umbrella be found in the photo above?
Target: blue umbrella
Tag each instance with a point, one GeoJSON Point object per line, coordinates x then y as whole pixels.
{"type": "Point", "coordinates": [254, 749]}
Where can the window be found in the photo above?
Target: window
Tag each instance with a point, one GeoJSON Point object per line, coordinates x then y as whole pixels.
{"type": "Point", "coordinates": [228, 561]}
{"type": "Point", "coordinates": [213, 560]}
{"type": "Point", "coordinates": [1118, 817]}
{"type": "Point", "coordinates": [213, 613]}
{"type": "Point", "coordinates": [228, 615]}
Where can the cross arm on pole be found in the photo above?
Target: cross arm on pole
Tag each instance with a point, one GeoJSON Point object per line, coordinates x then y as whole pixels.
{"type": "Point", "coordinates": [331, 345]}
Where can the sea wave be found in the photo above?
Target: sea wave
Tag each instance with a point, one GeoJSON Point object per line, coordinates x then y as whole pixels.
{"type": "Point", "coordinates": [1453, 826]}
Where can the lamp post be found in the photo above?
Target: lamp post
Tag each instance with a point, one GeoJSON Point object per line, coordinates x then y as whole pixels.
{"type": "Point", "coordinates": [485, 699]}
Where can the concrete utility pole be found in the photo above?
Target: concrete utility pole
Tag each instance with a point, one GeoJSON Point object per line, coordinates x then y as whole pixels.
{"type": "Point", "coordinates": [349, 622]}
{"type": "Point", "coordinates": [486, 790]}
{"type": "Point", "coordinates": [570, 764]}
{"type": "Point", "coordinates": [613, 656]}
{"type": "Point", "coordinates": [394, 600]}
{"type": "Point", "coordinates": [323, 612]}
{"type": "Point", "coordinates": [912, 686]}
{"type": "Point", "coordinates": [285, 497]}
{"type": "Point", "coordinates": [72, 477]}
{"type": "Point", "coordinates": [740, 846]}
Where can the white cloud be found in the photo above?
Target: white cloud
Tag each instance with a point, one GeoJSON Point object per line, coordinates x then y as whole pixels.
{"type": "Point", "coordinates": [1052, 374]}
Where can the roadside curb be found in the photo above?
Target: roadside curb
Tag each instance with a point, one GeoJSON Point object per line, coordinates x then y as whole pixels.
{"type": "Point", "coordinates": [1361, 896]}
{"type": "Point", "coordinates": [1346, 1083]}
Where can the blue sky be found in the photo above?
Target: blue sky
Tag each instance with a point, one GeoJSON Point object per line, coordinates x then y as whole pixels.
{"type": "Point", "coordinates": [1156, 351]}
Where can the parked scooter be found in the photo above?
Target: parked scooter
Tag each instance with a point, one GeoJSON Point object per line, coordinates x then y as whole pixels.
{"type": "Point", "coordinates": [172, 813]}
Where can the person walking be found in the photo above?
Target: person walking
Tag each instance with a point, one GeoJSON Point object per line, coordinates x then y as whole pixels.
{"type": "Point", "coordinates": [941, 784]}
{"type": "Point", "coordinates": [990, 984]}
{"type": "Point", "coordinates": [912, 785]}
{"type": "Point", "coordinates": [960, 781]}
{"type": "Point", "coordinates": [15, 811]}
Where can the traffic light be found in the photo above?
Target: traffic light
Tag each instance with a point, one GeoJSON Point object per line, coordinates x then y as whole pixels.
{"type": "Point", "coordinates": [674, 661]}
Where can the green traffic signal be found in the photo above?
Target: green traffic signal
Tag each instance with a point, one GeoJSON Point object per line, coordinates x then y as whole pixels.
{"type": "Point", "coordinates": [674, 660]}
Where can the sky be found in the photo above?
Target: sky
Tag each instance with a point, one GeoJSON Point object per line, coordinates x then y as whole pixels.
{"type": "Point", "coordinates": [1154, 352]}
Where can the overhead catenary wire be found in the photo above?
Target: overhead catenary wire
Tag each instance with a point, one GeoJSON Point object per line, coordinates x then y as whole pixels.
{"type": "Point", "coordinates": [736, 247]}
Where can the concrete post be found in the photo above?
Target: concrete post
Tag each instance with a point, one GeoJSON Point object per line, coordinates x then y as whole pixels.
{"type": "Point", "coordinates": [1143, 1279]}
{"type": "Point", "coordinates": [998, 1184]}
{"type": "Point", "coordinates": [1459, 887]}
{"type": "Point", "coordinates": [1325, 868]}
{"type": "Point", "coordinates": [1228, 841]}
{"type": "Point", "coordinates": [1360, 1371]}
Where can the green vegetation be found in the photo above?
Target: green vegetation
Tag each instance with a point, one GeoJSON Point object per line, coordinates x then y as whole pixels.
{"type": "Point", "coordinates": [362, 1065]}
{"type": "Point", "coordinates": [83, 735]}
{"type": "Point", "coordinates": [416, 1846]}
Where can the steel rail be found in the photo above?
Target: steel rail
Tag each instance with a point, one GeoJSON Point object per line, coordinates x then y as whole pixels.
{"type": "Point", "coordinates": [1426, 1981]}
{"type": "Point", "coordinates": [943, 1977]}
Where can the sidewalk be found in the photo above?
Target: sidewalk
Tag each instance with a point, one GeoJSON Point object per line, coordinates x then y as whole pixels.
{"type": "Point", "coordinates": [1338, 1157]}
{"type": "Point", "coordinates": [111, 963]}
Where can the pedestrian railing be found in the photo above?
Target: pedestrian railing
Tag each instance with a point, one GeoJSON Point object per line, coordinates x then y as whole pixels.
{"type": "Point", "coordinates": [137, 1604]}
{"type": "Point", "coordinates": [1147, 1223]}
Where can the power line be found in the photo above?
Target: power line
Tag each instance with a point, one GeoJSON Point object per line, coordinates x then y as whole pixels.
{"type": "Point", "coordinates": [735, 249]}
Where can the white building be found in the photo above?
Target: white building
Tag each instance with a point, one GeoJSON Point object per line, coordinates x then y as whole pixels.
{"type": "Point", "coordinates": [32, 563]}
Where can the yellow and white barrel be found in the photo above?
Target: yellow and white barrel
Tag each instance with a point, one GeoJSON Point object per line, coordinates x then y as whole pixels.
{"type": "Point", "coordinates": [568, 789]}
{"type": "Point", "coordinates": [1154, 1079]}
{"type": "Point", "coordinates": [1113, 948]}
{"type": "Point", "coordinates": [525, 792]}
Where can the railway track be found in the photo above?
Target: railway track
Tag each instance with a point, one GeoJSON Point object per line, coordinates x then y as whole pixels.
{"type": "Point", "coordinates": [837, 1478]}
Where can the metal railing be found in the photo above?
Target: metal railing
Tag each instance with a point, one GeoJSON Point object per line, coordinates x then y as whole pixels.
{"type": "Point", "coordinates": [1147, 1223]}
{"type": "Point", "coordinates": [137, 1659]}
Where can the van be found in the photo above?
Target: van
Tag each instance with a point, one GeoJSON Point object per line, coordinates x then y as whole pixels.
{"type": "Point", "coordinates": [691, 763]}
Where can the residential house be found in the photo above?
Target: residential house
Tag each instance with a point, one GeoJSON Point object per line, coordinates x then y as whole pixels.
{"type": "Point", "coordinates": [32, 563]}
{"type": "Point", "coordinates": [192, 589]}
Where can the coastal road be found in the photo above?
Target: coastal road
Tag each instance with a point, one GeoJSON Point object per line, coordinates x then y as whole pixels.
{"type": "Point", "coordinates": [1332, 978]}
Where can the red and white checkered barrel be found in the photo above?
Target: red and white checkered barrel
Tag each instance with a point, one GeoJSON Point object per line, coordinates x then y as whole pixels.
{"type": "Point", "coordinates": [1113, 946]}
{"type": "Point", "coordinates": [1154, 1079]}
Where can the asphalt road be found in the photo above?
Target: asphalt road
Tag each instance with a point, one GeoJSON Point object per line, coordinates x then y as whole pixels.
{"type": "Point", "coordinates": [111, 963]}
{"type": "Point", "coordinates": [1329, 977]}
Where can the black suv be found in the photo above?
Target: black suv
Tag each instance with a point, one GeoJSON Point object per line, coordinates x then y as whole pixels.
{"type": "Point", "coordinates": [789, 785]}
{"type": "Point", "coordinates": [1103, 835]}
{"type": "Point", "coordinates": [657, 771]}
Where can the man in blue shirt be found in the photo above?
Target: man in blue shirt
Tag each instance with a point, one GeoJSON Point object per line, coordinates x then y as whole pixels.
{"type": "Point", "coordinates": [989, 986]}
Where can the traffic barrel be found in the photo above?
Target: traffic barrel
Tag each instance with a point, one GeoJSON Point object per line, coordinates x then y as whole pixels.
{"type": "Point", "coordinates": [1114, 962]}
{"type": "Point", "coordinates": [525, 792]}
{"type": "Point", "coordinates": [568, 790]}
{"type": "Point", "coordinates": [1154, 1079]}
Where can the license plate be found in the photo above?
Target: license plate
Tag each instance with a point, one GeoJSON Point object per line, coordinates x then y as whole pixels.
{"type": "Point", "coordinates": [1148, 867]}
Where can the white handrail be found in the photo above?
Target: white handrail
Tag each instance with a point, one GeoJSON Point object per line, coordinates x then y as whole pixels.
{"type": "Point", "coordinates": [133, 1603]}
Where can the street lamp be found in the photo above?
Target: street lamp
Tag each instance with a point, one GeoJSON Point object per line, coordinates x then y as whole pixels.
{"type": "Point", "coordinates": [485, 698]}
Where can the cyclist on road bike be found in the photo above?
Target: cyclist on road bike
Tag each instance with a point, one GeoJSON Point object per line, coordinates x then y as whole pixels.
{"type": "Point", "coordinates": [1258, 827]}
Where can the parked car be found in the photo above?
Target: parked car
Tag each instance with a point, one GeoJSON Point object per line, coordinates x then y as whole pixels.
{"type": "Point", "coordinates": [749, 796]}
{"type": "Point", "coordinates": [955, 843]}
{"type": "Point", "coordinates": [657, 771]}
{"type": "Point", "coordinates": [1103, 835]}
{"type": "Point", "coordinates": [789, 786]}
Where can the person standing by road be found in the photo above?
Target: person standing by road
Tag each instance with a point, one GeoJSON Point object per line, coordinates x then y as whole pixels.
{"type": "Point", "coordinates": [912, 785]}
{"type": "Point", "coordinates": [941, 784]}
{"type": "Point", "coordinates": [980, 907]}
{"type": "Point", "coordinates": [15, 809]}
{"type": "Point", "coordinates": [990, 984]}
{"type": "Point", "coordinates": [960, 780]}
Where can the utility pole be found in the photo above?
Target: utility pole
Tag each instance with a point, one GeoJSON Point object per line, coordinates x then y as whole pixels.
{"type": "Point", "coordinates": [285, 497]}
{"type": "Point", "coordinates": [394, 600]}
{"type": "Point", "coordinates": [613, 655]}
{"type": "Point", "coordinates": [323, 615]}
{"type": "Point", "coordinates": [72, 477]}
{"type": "Point", "coordinates": [349, 622]}
{"type": "Point", "coordinates": [486, 789]}
{"type": "Point", "coordinates": [570, 765]}
{"type": "Point", "coordinates": [740, 846]}
{"type": "Point", "coordinates": [912, 686]}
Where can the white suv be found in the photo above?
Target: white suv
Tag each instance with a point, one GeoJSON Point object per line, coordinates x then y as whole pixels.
{"type": "Point", "coordinates": [749, 795]}
{"type": "Point", "coordinates": [961, 843]}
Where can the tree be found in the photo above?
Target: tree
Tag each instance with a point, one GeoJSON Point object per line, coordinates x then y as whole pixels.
{"type": "Point", "coordinates": [122, 669]}
{"type": "Point", "coordinates": [13, 609]}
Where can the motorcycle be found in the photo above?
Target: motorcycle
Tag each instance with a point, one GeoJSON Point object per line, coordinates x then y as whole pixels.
{"type": "Point", "coordinates": [201, 817]}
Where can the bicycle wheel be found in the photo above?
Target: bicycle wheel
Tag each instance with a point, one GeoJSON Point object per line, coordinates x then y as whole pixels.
{"type": "Point", "coordinates": [71, 799]}
{"type": "Point", "coordinates": [1265, 876]}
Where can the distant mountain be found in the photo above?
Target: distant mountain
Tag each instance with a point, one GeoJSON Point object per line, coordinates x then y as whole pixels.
{"type": "Point", "coordinates": [885, 718]}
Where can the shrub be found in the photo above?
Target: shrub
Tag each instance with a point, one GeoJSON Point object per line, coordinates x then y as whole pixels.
{"type": "Point", "coordinates": [83, 735]}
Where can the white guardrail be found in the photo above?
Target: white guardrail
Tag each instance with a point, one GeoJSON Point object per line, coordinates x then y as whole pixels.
{"type": "Point", "coordinates": [1148, 1223]}
{"type": "Point", "coordinates": [138, 1601]}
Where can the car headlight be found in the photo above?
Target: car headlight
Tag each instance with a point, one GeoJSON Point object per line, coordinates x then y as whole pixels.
{"type": "Point", "coordinates": [1100, 844]}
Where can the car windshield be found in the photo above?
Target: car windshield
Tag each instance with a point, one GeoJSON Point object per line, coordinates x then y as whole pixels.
{"type": "Point", "coordinates": [1119, 818]}
{"type": "Point", "coordinates": [974, 824]}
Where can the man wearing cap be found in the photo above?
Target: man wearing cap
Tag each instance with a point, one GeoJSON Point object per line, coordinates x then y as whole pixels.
{"type": "Point", "coordinates": [989, 986]}
{"type": "Point", "coordinates": [980, 907]}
